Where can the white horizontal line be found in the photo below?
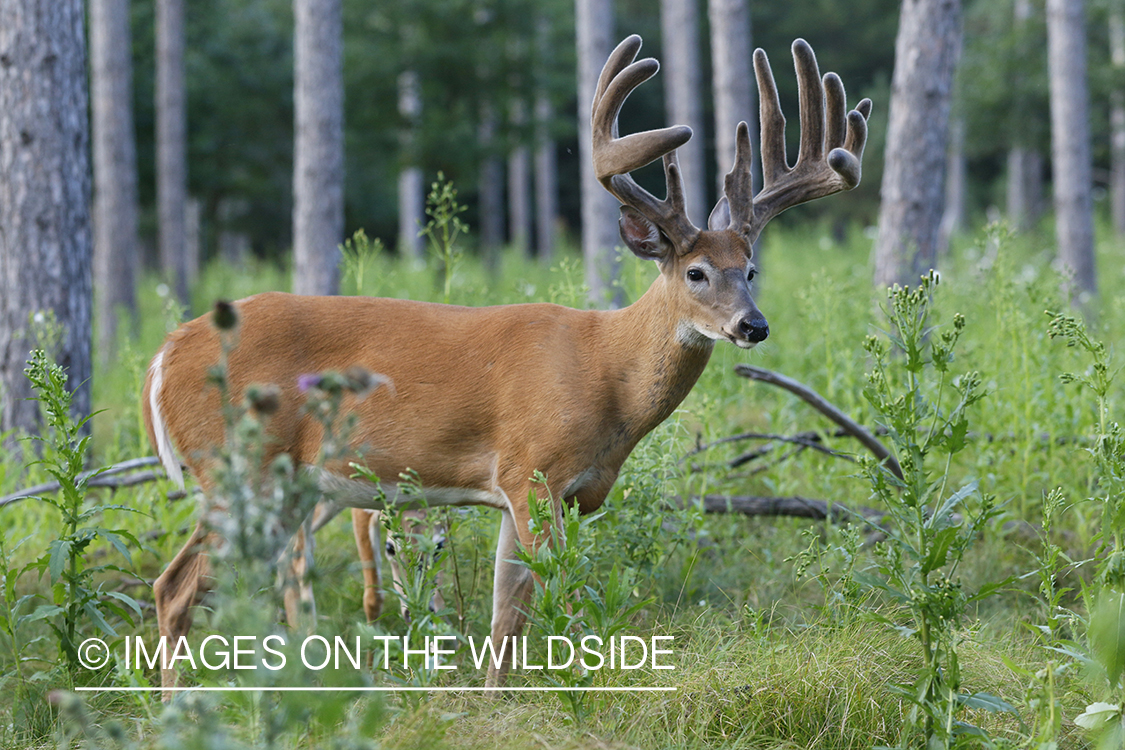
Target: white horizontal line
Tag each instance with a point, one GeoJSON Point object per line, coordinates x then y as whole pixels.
{"type": "Point", "coordinates": [402, 689]}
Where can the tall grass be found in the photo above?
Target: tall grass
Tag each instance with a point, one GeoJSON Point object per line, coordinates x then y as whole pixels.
{"type": "Point", "coordinates": [761, 659]}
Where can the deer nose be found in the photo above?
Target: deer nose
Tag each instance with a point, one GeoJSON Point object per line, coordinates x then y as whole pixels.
{"type": "Point", "coordinates": [754, 327]}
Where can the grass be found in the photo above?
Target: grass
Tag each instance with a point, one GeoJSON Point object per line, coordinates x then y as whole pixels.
{"type": "Point", "coordinates": [762, 660]}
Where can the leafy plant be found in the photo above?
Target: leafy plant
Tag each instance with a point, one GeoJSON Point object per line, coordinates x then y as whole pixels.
{"type": "Point", "coordinates": [76, 594]}
{"type": "Point", "coordinates": [443, 229]}
{"type": "Point", "coordinates": [930, 526]}
{"type": "Point", "coordinates": [571, 602]}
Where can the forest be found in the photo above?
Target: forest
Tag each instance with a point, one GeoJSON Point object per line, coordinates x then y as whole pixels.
{"type": "Point", "coordinates": [862, 487]}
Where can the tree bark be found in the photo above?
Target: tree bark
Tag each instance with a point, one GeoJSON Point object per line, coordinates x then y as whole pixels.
{"type": "Point", "coordinates": [411, 182]}
{"type": "Point", "coordinates": [956, 186]}
{"type": "Point", "coordinates": [594, 26]}
{"type": "Point", "coordinates": [318, 159]}
{"type": "Point", "coordinates": [546, 160]}
{"type": "Point", "coordinates": [1025, 164]}
{"type": "Point", "coordinates": [519, 188]}
{"type": "Point", "coordinates": [1070, 143]}
{"type": "Point", "coordinates": [683, 98]}
{"type": "Point", "coordinates": [46, 243]}
{"type": "Point", "coordinates": [732, 81]}
{"type": "Point", "coordinates": [115, 169]}
{"type": "Point", "coordinates": [926, 51]}
{"type": "Point", "coordinates": [490, 189]}
{"type": "Point", "coordinates": [546, 181]}
{"type": "Point", "coordinates": [1117, 116]}
{"type": "Point", "coordinates": [171, 145]}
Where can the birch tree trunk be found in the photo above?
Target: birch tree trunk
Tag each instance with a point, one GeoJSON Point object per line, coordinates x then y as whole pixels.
{"type": "Point", "coordinates": [1070, 142]}
{"type": "Point", "coordinates": [1117, 116]}
{"type": "Point", "coordinates": [732, 68]}
{"type": "Point", "coordinates": [46, 243]}
{"type": "Point", "coordinates": [318, 158]}
{"type": "Point", "coordinates": [926, 51]}
{"type": "Point", "coordinates": [171, 145]}
{"type": "Point", "coordinates": [411, 183]}
{"type": "Point", "coordinates": [115, 168]}
{"type": "Point", "coordinates": [683, 97]}
{"type": "Point", "coordinates": [594, 26]}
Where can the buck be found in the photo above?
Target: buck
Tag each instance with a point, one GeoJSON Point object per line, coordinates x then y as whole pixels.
{"type": "Point", "coordinates": [484, 397]}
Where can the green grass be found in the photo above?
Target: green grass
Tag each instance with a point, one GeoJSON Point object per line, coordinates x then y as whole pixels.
{"type": "Point", "coordinates": [760, 661]}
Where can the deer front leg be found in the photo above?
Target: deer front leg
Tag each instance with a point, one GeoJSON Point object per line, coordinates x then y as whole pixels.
{"type": "Point", "coordinates": [180, 587]}
{"type": "Point", "coordinates": [514, 585]}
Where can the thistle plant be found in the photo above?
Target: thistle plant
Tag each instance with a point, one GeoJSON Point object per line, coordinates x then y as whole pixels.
{"type": "Point", "coordinates": [930, 524]}
{"type": "Point", "coordinates": [443, 229]}
{"type": "Point", "coordinates": [77, 596]}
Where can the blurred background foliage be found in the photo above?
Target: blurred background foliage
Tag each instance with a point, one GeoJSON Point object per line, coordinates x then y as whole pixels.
{"type": "Point", "coordinates": [466, 52]}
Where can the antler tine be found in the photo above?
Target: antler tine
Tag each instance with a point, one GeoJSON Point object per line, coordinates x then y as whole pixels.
{"type": "Point", "coordinates": [738, 186]}
{"type": "Point", "coordinates": [614, 157]}
{"type": "Point", "coordinates": [825, 129]}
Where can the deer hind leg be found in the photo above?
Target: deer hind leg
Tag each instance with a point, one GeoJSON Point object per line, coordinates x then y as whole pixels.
{"type": "Point", "coordinates": [296, 569]}
{"type": "Point", "coordinates": [366, 526]}
{"type": "Point", "coordinates": [180, 587]}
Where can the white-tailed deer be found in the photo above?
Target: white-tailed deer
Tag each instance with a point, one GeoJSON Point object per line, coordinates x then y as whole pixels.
{"type": "Point", "coordinates": [484, 397]}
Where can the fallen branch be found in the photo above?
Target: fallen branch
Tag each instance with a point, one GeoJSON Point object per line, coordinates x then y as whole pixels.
{"type": "Point", "coordinates": [792, 505]}
{"type": "Point", "coordinates": [819, 403]}
{"type": "Point", "coordinates": [110, 477]}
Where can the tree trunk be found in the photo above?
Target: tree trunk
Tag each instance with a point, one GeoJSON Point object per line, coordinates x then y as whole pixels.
{"type": "Point", "coordinates": [683, 98]}
{"type": "Point", "coordinates": [411, 182]}
{"type": "Point", "coordinates": [519, 188]}
{"type": "Point", "coordinates": [546, 181]}
{"type": "Point", "coordinates": [46, 243]}
{"type": "Point", "coordinates": [732, 81]}
{"type": "Point", "coordinates": [546, 161]}
{"type": "Point", "coordinates": [1025, 187]}
{"type": "Point", "coordinates": [171, 145]}
{"type": "Point", "coordinates": [490, 189]}
{"type": "Point", "coordinates": [115, 168]}
{"type": "Point", "coordinates": [926, 51]}
{"type": "Point", "coordinates": [594, 26]}
{"type": "Point", "coordinates": [1117, 116]}
{"type": "Point", "coordinates": [1025, 164]}
{"type": "Point", "coordinates": [318, 159]}
{"type": "Point", "coordinates": [956, 179]}
{"type": "Point", "coordinates": [1070, 142]}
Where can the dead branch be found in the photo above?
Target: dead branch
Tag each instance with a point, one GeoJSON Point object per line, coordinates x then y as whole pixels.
{"type": "Point", "coordinates": [110, 477]}
{"type": "Point", "coordinates": [819, 403]}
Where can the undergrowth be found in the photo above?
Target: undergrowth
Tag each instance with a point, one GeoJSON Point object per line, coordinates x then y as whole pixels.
{"type": "Point", "coordinates": [779, 641]}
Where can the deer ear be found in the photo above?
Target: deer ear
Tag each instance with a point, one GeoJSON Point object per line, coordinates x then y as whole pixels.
{"type": "Point", "coordinates": [720, 215]}
{"type": "Point", "coordinates": [642, 236]}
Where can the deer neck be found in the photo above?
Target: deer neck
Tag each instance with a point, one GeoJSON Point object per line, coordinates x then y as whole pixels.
{"type": "Point", "coordinates": [661, 356]}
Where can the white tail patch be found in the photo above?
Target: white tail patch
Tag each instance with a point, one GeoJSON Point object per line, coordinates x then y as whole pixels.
{"type": "Point", "coordinates": [164, 448]}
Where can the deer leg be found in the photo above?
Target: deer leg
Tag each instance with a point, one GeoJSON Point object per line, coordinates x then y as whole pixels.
{"type": "Point", "coordinates": [512, 589]}
{"type": "Point", "coordinates": [300, 603]}
{"type": "Point", "coordinates": [365, 525]}
{"type": "Point", "coordinates": [181, 586]}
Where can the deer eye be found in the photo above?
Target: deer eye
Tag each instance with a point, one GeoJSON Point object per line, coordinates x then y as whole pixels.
{"type": "Point", "coordinates": [694, 274]}
{"type": "Point", "coordinates": [751, 274]}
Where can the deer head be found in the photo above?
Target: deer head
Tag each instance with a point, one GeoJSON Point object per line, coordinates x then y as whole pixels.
{"type": "Point", "coordinates": [708, 273]}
